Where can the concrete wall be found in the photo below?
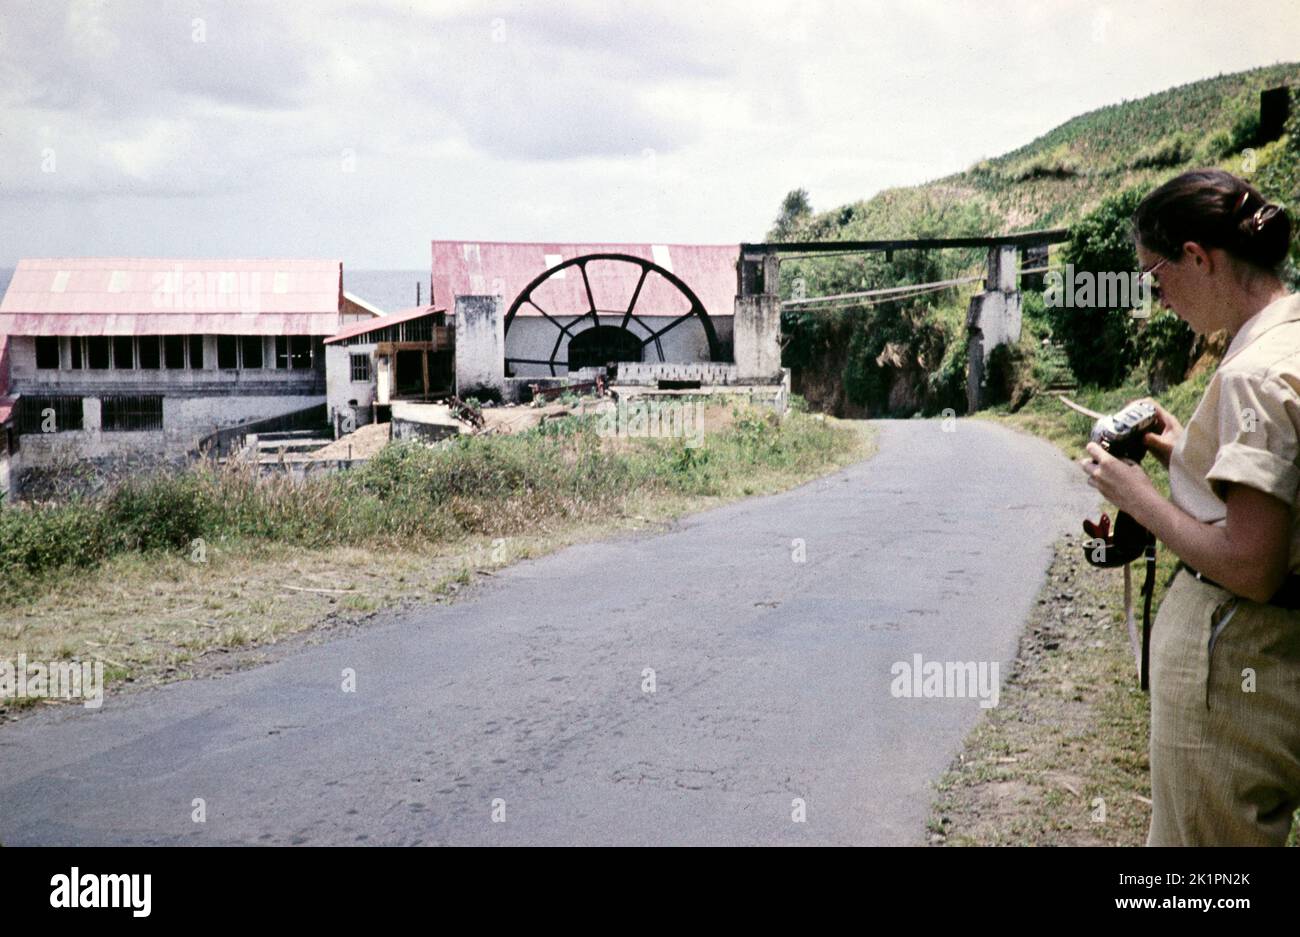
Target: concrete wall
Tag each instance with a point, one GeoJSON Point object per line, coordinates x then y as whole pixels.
{"type": "Point", "coordinates": [341, 390]}
{"type": "Point", "coordinates": [534, 337]}
{"type": "Point", "coordinates": [758, 337]}
{"type": "Point", "coordinates": [6, 472]}
{"type": "Point", "coordinates": [185, 421]}
{"type": "Point", "coordinates": [423, 422]}
{"type": "Point", "coordinates": [195, 401]}
{"type": "Point", "coordinates": [480, 346]}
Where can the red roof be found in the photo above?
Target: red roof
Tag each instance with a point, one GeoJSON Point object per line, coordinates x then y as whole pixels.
{"type": "Point", "coordinates": [133, 296]}
{"type": "Point", "coordinates": [380, 322]}
{"type": "Point", "coordinates": [462, 268]}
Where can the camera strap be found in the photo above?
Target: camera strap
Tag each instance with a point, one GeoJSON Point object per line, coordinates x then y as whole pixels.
{"type": "Point", "coordinates": [1148, 590]}
{"type": "Point", "coordinates": [1141, 647]}
{"type": "Point", "coordinates": [1107, 549]}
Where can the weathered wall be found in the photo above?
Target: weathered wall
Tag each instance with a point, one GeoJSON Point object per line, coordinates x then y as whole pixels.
{"type": "Point", "coordinates": [480, 346]}
{"type": "Point", "coordinates": [423, 422]}
{"type": "Point", "coordinates": [6, 475]}
{"type": "Point", "coordinates": [341, 391]}
{"type": "Point", "coordinates": [992, 319]}
{"type": "Point", "coordinates": [185, 421]}
{"type": "Point", "coordinates": [758, 337]}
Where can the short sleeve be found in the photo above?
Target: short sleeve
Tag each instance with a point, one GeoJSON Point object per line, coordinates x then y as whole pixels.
{"type": "Point", "coordinates": [1258, 443]}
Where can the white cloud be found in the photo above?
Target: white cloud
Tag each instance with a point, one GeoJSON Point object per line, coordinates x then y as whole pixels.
{"type": "Point", "coordinates": [668, 121]}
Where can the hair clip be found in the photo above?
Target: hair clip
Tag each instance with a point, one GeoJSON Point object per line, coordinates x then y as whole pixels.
{"type": "Point", "coordinates": [1241, 203]}
{"type": "Point", "coordinates": [1264, 214]}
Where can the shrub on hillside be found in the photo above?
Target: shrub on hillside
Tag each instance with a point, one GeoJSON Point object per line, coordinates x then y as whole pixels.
{"type": "Point", "coordinates": [1099, 342]}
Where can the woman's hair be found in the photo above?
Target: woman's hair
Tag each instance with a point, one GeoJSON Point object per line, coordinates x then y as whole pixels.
{"type": "Point", "coordinates": [1214, 209]}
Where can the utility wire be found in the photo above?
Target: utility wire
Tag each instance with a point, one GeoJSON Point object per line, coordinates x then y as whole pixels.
{"type": "Point", "coordinates": [888, 294]}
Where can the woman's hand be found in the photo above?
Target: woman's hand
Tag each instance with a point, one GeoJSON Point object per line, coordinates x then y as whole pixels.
{"type": "Point", "coordinates": [1161, 445]}
{"type": "Point", "coordinates": [1121, 482]}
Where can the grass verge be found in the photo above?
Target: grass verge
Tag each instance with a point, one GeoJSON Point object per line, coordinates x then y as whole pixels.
{"type": "Point", "coordinates": [1063, 760]}
{"type": "Point", "coordinates": [188, 574]}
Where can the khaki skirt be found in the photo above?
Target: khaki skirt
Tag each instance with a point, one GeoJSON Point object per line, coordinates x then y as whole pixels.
{"type": "Point", "coordinates": [1225, 719]}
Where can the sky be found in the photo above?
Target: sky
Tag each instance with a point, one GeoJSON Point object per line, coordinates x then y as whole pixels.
{"type": "Point", "coordinates": [363, 130]}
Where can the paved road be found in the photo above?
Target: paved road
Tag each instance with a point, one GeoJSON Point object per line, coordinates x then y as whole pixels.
{"type": "Point", "coordinates": [529, 698]}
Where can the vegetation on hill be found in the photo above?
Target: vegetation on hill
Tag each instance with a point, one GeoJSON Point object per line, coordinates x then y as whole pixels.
{"type": "Point", "coordinates": [906, 357]}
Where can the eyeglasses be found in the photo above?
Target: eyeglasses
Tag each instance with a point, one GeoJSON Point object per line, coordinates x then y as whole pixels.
{"type": "Point", "coordinates": [1147, 278]}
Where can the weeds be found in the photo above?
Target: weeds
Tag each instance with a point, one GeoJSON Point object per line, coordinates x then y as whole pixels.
{"type": "Point", "coordinates": [408, 493]}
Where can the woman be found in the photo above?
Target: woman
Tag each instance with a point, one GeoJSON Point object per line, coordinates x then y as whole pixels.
{"type": "Point", "coordinates": [1225, 646]}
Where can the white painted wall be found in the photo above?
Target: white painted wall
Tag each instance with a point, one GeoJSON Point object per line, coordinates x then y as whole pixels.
{"type": "Point", "coordinates": [480, 356]}
{"type": "Point", "coordinates": [340, 389]}
{"type": "Point", "coordinates": [534, 337]}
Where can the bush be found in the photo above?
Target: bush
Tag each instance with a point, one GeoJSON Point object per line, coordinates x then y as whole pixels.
{"type": "Point", "coordinates": [1164, 346]}
{"type": "Point", "coordinates": [159, 513]}
{"type": "Point", "coordinates": [408, 492]}
{"type": "Point", "coordinates": [50, 536]}
{"type": "Point", "coordinates": [1099, 342]}
{"type": "Point", "coordinates": [1171, 151]}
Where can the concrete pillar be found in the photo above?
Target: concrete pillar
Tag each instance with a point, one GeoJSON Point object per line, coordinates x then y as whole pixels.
{"type": "Point", "coordinates": [992, 319]}
{"type": "Point", "coordinates": [480, 347]}
{"type": "Point", "coordinates": [756, 338]}
{"type": "Point", "coordinates": [758, 273]}
{"type": "Point", "coordinates": [8, 471]}
{"type": "Point", "coordinates": [91, 409]}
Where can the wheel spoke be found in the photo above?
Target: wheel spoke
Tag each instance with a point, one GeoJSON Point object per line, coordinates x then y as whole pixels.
{"type": "Point", "coordinates": [672, 325]}
{"type": "Point", "coordinates": [591, 299]}
{"type": "Point", "coordinates": [554, 321]}
{"type": "Point", "coordinates": [636, 294]}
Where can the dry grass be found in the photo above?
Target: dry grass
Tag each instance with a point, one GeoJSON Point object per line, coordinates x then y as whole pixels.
{"type": "Point", "coordinates": [159, 616]}
{"type": "Point", "coordinates": [1063, 759]}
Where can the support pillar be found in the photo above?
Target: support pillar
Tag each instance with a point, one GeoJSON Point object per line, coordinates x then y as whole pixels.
{"type": "Point", "coordinates": [992, 319]}
{"type": "Point", "coordinates": [480, 347]}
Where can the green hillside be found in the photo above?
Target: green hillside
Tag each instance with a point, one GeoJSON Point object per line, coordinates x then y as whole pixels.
{"type": "Point", "coordinates": [903, 358]}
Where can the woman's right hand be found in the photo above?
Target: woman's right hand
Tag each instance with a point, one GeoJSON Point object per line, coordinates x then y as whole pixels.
{"type": "Point", "coordinates": [1161, 444]}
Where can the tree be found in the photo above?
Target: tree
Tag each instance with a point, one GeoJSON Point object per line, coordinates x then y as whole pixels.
{"type": "Point", "coordinates": [796, 209]}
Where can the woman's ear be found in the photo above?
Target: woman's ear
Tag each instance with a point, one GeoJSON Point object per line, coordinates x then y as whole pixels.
{"type": "Point", "coordinates": [1200, 257]}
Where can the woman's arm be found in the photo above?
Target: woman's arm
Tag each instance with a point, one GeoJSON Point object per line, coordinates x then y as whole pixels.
{"type": "Point", "coordinates": [1249, 555]}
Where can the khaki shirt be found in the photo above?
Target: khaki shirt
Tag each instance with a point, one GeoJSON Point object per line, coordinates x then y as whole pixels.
{"type": "Point", "coordinates": [1246, 429]}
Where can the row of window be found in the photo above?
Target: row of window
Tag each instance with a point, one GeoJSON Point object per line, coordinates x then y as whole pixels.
{"type": "Point", "coordinates": [122, 413]}
{"type": "Point", "coordinates": [412, 330]}
{"type": "Point", "coordinates": [173, 352]}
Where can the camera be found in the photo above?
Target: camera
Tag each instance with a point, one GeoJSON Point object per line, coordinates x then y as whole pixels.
{"type": "Point", "coordinates": [1122, 434]}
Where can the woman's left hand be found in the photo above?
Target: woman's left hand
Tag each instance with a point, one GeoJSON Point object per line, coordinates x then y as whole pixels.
{"type": "Point", "coordinates": [1121, 482]}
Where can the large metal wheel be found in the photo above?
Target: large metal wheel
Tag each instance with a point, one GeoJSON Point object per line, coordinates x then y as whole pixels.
{"type": "Point", "coordinates": [589, 317]}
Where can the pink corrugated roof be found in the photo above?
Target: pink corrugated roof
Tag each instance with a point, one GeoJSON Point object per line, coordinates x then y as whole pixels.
{"type": "Point", "coordinates": [6, 408]}
{"type": "Point", "coordinates": [462, 268]}
{"type": "Point", "coordinates": [135, 296]}
{"type": "Point", "coordinates": [381, 322]}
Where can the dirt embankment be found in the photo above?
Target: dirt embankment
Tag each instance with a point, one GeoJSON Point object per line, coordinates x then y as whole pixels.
{"type": "Point", "coordinates": [1062, 760]}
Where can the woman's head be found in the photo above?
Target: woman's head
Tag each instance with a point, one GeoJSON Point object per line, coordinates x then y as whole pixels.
{"type": "Point", "coordinates": [1216, 240]}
